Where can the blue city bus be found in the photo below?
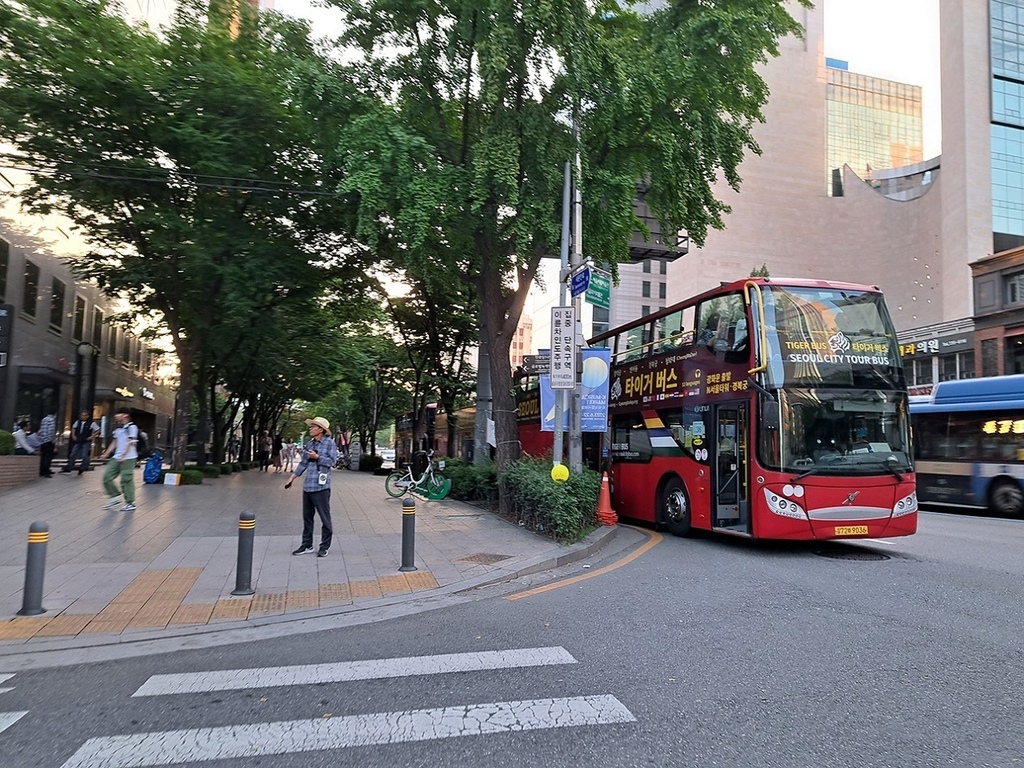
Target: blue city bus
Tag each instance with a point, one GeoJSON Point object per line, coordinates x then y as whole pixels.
{"type": "Point", "coordinates": [969, 444]}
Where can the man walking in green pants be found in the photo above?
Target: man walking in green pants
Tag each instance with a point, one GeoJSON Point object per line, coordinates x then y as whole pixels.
{"type": "Point", "coordinates": [122, 448]}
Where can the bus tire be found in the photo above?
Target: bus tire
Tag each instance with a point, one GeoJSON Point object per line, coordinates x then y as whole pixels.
{"type": "Point", "coordinates": [1006, 498]}
{"type": "Point", "coordinates": [674, 507]}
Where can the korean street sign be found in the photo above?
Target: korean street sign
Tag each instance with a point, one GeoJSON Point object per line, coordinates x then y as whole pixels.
{"type": "Point", "coordinates": [563, 348]}
{"type": "Point", "coordinates": [537, 364]}
{"type": "Point", "coordinates": [579, 282]}
{"type": "Point", "coordinates": [599, 292]}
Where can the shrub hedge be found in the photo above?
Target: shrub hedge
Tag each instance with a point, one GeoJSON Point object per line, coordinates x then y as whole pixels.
{"type": "Point", "coordinates": [564, 511]}
{"type": "Point", "coordinates": [477, 483]}
{"type": "Point", "coordinates": [6, 443]}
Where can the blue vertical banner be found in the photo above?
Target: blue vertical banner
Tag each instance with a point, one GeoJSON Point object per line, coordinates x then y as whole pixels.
{"type": "Point", "coordinates": [547, 405]}
{"type": "Point", "coordinates": [594, 381]}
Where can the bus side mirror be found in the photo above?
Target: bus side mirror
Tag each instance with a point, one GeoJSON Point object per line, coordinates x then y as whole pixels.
{"type": "Point", "coordinates": [771, 415]}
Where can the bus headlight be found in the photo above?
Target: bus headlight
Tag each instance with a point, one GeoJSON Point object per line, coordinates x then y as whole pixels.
{"type": "Point", "coordinates": [783, 506]}
{"type": "Point", "coordinates": [905, 506]}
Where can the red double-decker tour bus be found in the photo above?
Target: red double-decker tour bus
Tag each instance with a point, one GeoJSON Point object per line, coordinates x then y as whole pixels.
{"type": "Point", "coordinates": [765, 408]}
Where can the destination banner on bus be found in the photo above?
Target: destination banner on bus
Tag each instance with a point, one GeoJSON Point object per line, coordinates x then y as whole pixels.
{"type": "Point", "coordinates": [816, 357]}
{"type": "Point", "coordinates": [695, 373]}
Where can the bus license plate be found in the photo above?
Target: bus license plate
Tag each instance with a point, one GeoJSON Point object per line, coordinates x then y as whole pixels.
{"type": "Point", "coordinates": [851, 530]}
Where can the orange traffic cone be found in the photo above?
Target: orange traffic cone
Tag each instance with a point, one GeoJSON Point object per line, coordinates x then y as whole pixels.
{"type": "Point", "coordinates": [605, 515]}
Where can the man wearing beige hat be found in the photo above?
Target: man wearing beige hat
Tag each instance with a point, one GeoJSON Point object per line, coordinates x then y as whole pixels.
{"type": "Point", "coordinates": [318, 455]}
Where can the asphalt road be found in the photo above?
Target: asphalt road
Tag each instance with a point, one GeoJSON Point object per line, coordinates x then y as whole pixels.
{"type": "Point", "coordinates": [700, 652]}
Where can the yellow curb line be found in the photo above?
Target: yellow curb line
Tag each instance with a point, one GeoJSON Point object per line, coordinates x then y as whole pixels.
{"type": "Point", "coordinates": [653, 538]}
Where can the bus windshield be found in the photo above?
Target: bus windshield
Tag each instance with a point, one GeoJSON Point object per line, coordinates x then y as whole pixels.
{"type": "Point", "coordinates": [821, 336]}
{"type": "Point", "coordinates": [840, 432]}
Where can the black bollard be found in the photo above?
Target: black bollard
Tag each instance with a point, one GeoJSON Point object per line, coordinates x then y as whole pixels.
{"type": "Point", "coordinates": [246, 534]}
{"type": "Point", "coordinates": [408, 534]}
{"type": "Point", "coordinates": [35, 568]}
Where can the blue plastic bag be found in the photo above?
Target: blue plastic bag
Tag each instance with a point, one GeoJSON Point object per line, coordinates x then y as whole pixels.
{"type": "Point", "coordinates": [154, 466]}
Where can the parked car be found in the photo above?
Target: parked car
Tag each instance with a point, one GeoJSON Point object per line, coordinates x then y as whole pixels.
{"type": "Point", "coordinates": [388, 455]}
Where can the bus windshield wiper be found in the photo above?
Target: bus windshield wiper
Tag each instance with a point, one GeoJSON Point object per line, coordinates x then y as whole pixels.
{"type": "Point", "coordinates": [892, 469]}
{"type": "Point", "coordinates": [805, 473]}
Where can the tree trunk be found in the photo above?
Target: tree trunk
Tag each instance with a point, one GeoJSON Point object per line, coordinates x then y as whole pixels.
{"type": "Point", "coordinates": [182, 402]}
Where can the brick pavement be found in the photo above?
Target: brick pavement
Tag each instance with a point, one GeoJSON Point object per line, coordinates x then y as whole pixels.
{"type": "Point", "coordinates": [171, 564]}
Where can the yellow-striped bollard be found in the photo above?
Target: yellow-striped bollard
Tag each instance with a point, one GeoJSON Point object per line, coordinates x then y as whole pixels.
{"type": "Point", "coordinates": [408, 534]}
{"type": "Point", "coordinates": [35, 569]}
{"type": "Point", "coordinates": [246, 535]}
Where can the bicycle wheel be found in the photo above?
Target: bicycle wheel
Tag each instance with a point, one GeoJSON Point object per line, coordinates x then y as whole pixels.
{"type": "Point", "coordinates": [436, 485]}
{"type": "Point", "coordinates": [396, 484]}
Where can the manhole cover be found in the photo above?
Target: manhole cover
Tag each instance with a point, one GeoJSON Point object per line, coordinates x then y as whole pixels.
{"type": "Point", "coordinates": [484, 558]}
{"type": "Point", "coordinates": [851, 554]}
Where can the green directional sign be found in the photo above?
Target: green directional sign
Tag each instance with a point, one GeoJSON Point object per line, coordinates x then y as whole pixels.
{"type": "Point", "coordinates": [600, 290]}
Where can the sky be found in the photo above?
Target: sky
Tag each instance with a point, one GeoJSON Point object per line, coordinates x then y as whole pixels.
{"type": "Point", "coordinates": [894, 39]}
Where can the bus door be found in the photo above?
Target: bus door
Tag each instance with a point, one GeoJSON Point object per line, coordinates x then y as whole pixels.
{"type": "Point", "coordinates": [729, 467]}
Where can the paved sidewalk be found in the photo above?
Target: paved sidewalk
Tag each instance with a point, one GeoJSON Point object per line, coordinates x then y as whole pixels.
{"type": "Point", "coordinates": [169, 568]}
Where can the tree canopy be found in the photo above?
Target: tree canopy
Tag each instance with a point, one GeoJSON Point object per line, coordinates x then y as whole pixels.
{"type": "Point", "coordinates": [474, 117]}
{"type": "Point", "coordinates": [193, 161]}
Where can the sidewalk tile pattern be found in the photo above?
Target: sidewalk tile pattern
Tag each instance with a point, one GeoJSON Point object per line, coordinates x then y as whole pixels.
{"type": "Point", "coordinates": [171, 563]}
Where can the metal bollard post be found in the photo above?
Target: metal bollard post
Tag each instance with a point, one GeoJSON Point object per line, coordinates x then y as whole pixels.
{"type": "Point", "coordinates": [35, 568]}
{"type": "Point", "coordinates": [408, 534]}
{"type": "Point", "coordinates": [246, 534]}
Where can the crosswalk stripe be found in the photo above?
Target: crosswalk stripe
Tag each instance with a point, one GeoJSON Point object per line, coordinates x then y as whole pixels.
{"type": "Point", "coordinates": [7, 719]}
{"type": "Point", "coordinates": [373, 669]}
{"type": "Point", "coordinates": [222, 743]}
{"type": "Point", "coordinates": [4, 676]}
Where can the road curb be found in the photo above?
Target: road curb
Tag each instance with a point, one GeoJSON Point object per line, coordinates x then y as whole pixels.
{"type": "Point", "coordinates": [65, 651]}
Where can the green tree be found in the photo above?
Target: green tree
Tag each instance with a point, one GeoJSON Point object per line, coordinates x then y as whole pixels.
{"type": "Point", "coordinates": [477, 103]}
{"type": "Point", "coordinates": [189, 160]}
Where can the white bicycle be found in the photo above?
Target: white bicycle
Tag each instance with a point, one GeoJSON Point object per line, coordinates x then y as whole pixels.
{"type": "Point", "coordinates": [433, 484]}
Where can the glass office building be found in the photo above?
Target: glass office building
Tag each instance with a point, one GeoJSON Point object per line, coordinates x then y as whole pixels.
{"type": "Point", "coordinates": [1007, 129]}
{"type": "Point", "coordinates": [873, 123]}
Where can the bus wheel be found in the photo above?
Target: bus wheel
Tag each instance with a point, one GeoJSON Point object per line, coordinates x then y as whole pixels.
{"type": "Point", "coordinates": [675, 508]}
{"type": "Point", "coordinates": [1006, 498]}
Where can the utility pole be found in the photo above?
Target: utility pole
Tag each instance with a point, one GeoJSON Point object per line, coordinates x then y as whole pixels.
{"type": "Point", "coordinates": [556, 452]}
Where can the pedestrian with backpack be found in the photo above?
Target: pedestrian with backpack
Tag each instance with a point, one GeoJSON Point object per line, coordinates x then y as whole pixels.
{"type": "Point", "coordinates": [123, 456]}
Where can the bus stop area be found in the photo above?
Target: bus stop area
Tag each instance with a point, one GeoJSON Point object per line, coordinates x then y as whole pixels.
{"type": "Point", "coordinates": [168, 569]}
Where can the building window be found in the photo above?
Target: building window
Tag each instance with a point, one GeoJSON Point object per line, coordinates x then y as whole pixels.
{"type": "Point", "coordinates": [5, 262]}
{"type": "Point", "coordinates": [923, 371]}
{"type": "Point", "coordinates": [57, 305]}
{"type": "Point", "coordinates": [967, 365]}
{"type": "Point", "coordinates": [112, 342]}
{"type": "Point", "coordinates": [126, 349]}
{"type": "Point", "coordinates": [1015, 288]}
{"type": "Point", "coordinates": [661, 290]}
{"type": "Point", "coordinates": [139, 354]}
{"type": "Point", "coordinates": [645, 310]}
{"type": "Point", "coordinates": [647, 267]}
{"type": "Point", "coordinates": [78, 330]}
{"type": "Point", "coordinates": [646, 292]}
{"type": "Point", "coordinates": [947, 368]}
{"type": "Point", "coordinates": [601, 321]}
{"type": "Point", "coordinates": [990, 357]}
{"type": "Point", "coordinates": [662, 267]}
{"type": "Point", "coordinates": [30, 292]}
{"type": "Point", "coordinates": [97, 330]}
